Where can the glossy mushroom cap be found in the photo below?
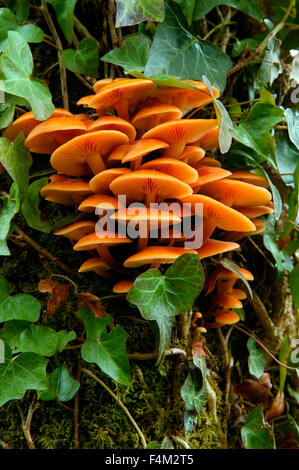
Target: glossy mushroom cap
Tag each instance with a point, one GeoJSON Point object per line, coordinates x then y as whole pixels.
{"type": "Point", "coordinates": [94, 264]}
{"type": "Point", "coordinates": [98, 201]}
{"type": "Point", "coordinates": [65, 191]}
{"type": "Point", "coordinates": [215, 247]}
{"type": "Point", "coordinates": [156, 254]}
{"type": "Point", "coordinates": [179, 133]}
{"type": "Point", "coordinates": [208, 174]}
{"type": "Point", "coordinates": [226, 317]}
{"type": "Point", "coordinates": [149, 185]}
{"type": "Point", "coordinates": [251, 178]}
{"type": "Point", "coordinates": [192, 154]}
{"type": "Point", "coordinates": [228, 301]}
{"type": "Point", "coordinates": [100, 183]}
{"type": "Point", "coordinates": [142, 214]}
{"type": "Point", "coordinates": [82, 155]}
{"type": "Point", "coordinates": [27, 122]}
{"type": "Point", "coordinates": [123, 96]}
{"type": "Point", "coordinates": [113, 123]}
{"type": "Point", "coordinates": [49, 135]}
{"type": "Point", "coordinates": [154, 115]}
{"type": "Point", "coordinates": [76, 230]}
{"type": "Point", "coordinates": [172, 167]}
{"type": "Point", "coordinates": [122, 287]}
{"type": "Point", "coordinates": [254, 211]}
{"type": "Point", "coordinates": [102, 83]}
{"type": "Point", "coordinates": [210, 140]}
{"type": "Point", "coordinates": [236, 193]}
{"type": "Point", "coordinates": [140, 148]}
{"type": "Point", "coordinates": [94, 240]}
{"type": "Point", "coordinates": [222, 273]}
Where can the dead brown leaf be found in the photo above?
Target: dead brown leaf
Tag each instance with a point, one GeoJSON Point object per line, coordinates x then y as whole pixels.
{"type": "Point", "coordinates": [277, 407]}
{"type": "Point", "coordinates": [255, 391]}
{"type": "Point", "coordinates": [198, 347]}
{"type": "Point", "coordinates": [57, 291]}
{"type": "Point", "coordinates": [92, 302]}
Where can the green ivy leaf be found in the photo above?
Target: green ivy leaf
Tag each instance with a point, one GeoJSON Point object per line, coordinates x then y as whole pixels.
{"type": "Point", "coordinates": [20, 307]}
{"type": "Point", "coordinates": [231, 266]}
{"type": "Point", "coordinates": [254, 435]}
{"type": "Point", "coordinates": [31, 33]}
{"type": "Point", "coordinates": [61, 385]}
{"type": "Point", "coordinates": [287, 156]}
{"type": "Point", "coordinates": [10, 207]}
{"type": "Point", "coordinates": [21, 373]}
{"type": "Point", "coordinates": [256, 360]}
{"type": "Point", "coordinates": [251, 7]}
{"type": "Point", "coordinates": [19, 7]}
{"type": "Point", "coordinates": [283, 261]}
{"type": "Point", "coordinates": [254, 132]}
{"type": "Point", "coordinates": [132, 55]}
{"type": "Point", "coordinates": [30, 206]}
{"type": "Point", "coordinates": [224, 121]}
{"type": "Point", "coordinates": [271, 67]}
{"type": "Point", "coordinates": [6, 115]}
{"type": "Point", "coordinates": [107, 350]}
{"type": "Point", "coordinates": [294, 282]}
{"type": "Point", "coordinates": [64, 337]}
{"type": "Point", "coordinates": [85, 60]}
{"type": "Point", "coordinates": [130, 12]}
{"type": "Point", "coordinates": [187, 7]}
{"type": "Point", "coordinates": [194, 390]}
{"type": "Point", "coordinates": [176, 52]}
{"type": "Point", "coordinates": [17, 67]}
{"type": "Point", "coordinates": [292, 118]}
{"type": "Point", "coordinates": [160, 298]}
{"type": "Point", "coordinates": [8, 22]}
{"type": "Point", "coordinates": [21, 336]}
{"type": "Point", "coordinates": [65, 13]}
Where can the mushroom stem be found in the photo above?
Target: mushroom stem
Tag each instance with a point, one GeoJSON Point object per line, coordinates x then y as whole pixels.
{"type": "Point", "coordinates": [155, 265]}
{"type": "Point", "coordinates": [122, 109]}
{"type": "Point", "coordinates": [174, 150]}
{"type": "Point", "coordinates": [108, 258]}
{"type": "Point", "coordinates": [103, 274]}
{"type": "Point", "coordinates": [96, 163]}
{"type": "Point", "coordinates": [150, 198]}
{"type": "Point", "coordinates": [136, 164]}
{"type": "Point", "coordinates": [142, 241]}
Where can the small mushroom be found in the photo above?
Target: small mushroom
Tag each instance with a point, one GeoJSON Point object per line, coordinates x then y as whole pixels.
{"type": "Point", "coordinates": [215, 247]}
{"type": "Point", "coordinates": [152, 116]}
{"type": "Point", "coordinates": [100, 183]}
{"type": "Point", "coordinates": [97, 265]}
{"type": "Point", "coordinates": [27, 122]}
{"type": "Point", "coordinates": [149, 186]}
{"type": "Point", "coordinates": [172, 167]}
{"type": "Point", "coordinates": [156, 255]}
{"type": "Point", "coordinates": [141, 148]}
{"type": "Point", "coordinates": [84, 154]}
{"type": "Point", "coordinates": [254, 211]}
{"type": "Point", "coordinates": [123, 96]}
{"type": "Point", "coordinates": [122, 287]}
{"type": "Point", "coordinates": [236, 193]}
{"type": "Point", "coordinates": [208, 174]}
{"type": "Point", "coordinates": [113, 123]}
{"type": "Point", "coordinates": [228, 301]}
{"type": "Point", "coordinates": [192, 154]}
{"type": "Point", "coordinates": [49, 135]}
{"type": "Point", "coordinates": [98, 201]}
{"type": "Point", "coordinates": [76, 230]}
{"type": "Point", "coordinates": [251, 178]}
{"type": "Point", "coordinates": [178, 133]}
{"type": "Point", "coordinates": [65, 191]}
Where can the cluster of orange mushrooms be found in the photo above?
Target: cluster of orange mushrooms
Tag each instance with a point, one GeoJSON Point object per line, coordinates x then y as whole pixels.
{"type": "Point", "coordinates": [144, 145]}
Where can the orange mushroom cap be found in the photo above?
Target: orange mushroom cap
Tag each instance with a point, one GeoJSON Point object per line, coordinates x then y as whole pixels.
{"type": "Point", "coordinates": [122, 287]}
{"type": "Point", "coordinates": [84, 153]}
{"type": "Point", "coordinates": [208, 174]}
{"type": "Point", "coordinates": [210, 140]}
{"type": "Point", "coordinates": [191, 154]}
{"type": "Point", "coordinates": [226, 317]}
{"type": "Point", "coordinates": [113, 123]}
{"type": "Point", "coordinates": [94, 264]}
{"type": "Point", "coordinates": [215, 247]}
{"type": "Point", "coordinates": [238, 294]}
{"type": "Point", "coordinates": [237, 235]}
{"type": "Point", "coordinates": [228, 301]}
{"type": "Point", "coordinates": [49, 135]}
{"type": "Point", "coordinates": [98, 201]}
{"type": "Point", "coordinates": [254, 211]}
{"type": "Point", "coordinates": [122, 95]}
{"type": "Point", "coordinates": [102, 83]}
{"type": "Point", "coordinates": [84, 101]}
{"type": "Point", "coordinates": [154, 115]}
{"type": "Point", "coordinates": [178, 133]}
{"type": "Point", "coordinates": [100, 183]}
{"type": "Point", "coordinates": [156, 254]}
{"type": "Point", "coordinates": [76, 230]}
{"type": "Point", "coordinates": [236, 193]}
{"type": "Point", "coordinates": [27, 122]}
{"type": "Point", "coordinates": [170, 166]}
{"type": "Point", "coordinates": [65, 191]}
{"type": "Point", "coordinates": [251, 178]}
{"type": "Point", "coordinates": [140, 148]}
{"type": "Point", "coordinates": [208, 162]}
{"type": "Point", "coordinates": [146, 214]}
{"type": "Point", "coordinates": [94, 240]}
{"type": "Point", "coordinates": [150, 185]}
{"type": "Point", "coordinates": [225, 274]}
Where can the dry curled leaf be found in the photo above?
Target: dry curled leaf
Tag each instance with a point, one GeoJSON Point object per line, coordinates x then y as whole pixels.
{"type": "Point", "coordinates": [92, 302]}
{"type": "Point", "coordinates": [57, 291]}
{"type": "Point", "coordinates": [198, 347]}
{"type": "Point", "coordinates": [277, 407]}
{"type": "Point", "coordinates": [255, 391]}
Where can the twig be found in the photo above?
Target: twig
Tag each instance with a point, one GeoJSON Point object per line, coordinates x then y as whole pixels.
{"type": "Point", "coordinates": [261, 252]}
{"type": "Point", "coordinates": [111, 23]}
{"type": "Point", "coordinates": [68, 279]}
{"type": "Point", "coordinates": [227, 365]}
{"type": "Point", "coordinates": [4, 444]}
{"type": "Point", "coordinates": [84, 81]}
{"type": "Point", "coordinates": [265, 349]}
{"type": "Point", "coordinates": [26, 423]}
{"type": "Point", "coordinates": [88, 372]}
{"type": "Point", "coordinates": [264, 318]}
{"type": "Point", "coordinates": [42, 250]}
{"type": "Point", "coordinates": [63, 76]}
{"type": "Point", "coordinates": [84, 31]}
